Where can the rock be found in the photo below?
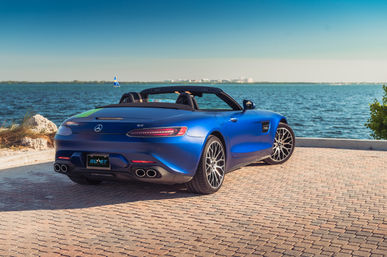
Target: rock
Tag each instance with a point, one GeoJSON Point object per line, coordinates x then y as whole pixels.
{"type": "Point", "coordinates": [39, 124]}
{"type": "Point", "coordinates": [35, 143]}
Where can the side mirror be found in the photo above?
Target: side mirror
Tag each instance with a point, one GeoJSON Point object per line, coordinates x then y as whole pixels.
{"type": "Point", "coordinates": [248, 105]}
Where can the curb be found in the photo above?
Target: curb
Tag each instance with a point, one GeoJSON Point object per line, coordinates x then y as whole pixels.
{"type": "Point", "coordinates": [26, 158]}
{"type": "Point", "coordinates": [341, 143]}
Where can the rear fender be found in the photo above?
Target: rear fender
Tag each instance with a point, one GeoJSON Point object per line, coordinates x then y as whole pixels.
{"type": "Point", "coordinates": [216, 132]}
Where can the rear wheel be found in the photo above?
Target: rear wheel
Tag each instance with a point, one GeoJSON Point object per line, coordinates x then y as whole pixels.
{"type": "Point", "coordinates": [283, 146]}
{"type": "Point", "coordinates": [83, 180]}
{"type": "Point", "coordinates": [210, 173]}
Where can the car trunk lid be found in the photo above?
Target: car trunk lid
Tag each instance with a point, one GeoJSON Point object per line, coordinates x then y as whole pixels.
{"type": "Point", "coordinates": [123, 119]}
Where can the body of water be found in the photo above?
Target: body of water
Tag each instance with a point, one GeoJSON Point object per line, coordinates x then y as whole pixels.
{"type": "Point", "coordinates": [313, 110]}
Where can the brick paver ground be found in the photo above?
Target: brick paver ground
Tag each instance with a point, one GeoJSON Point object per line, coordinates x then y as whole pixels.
{"type": "Point", "coordinates": [321, 202]}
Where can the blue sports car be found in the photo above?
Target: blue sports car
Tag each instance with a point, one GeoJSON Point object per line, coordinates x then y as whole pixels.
{"type": "Point", "coordinates": [177, 134]}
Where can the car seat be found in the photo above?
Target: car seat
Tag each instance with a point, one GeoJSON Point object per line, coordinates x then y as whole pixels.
{"type": "Point", "coordinates": [131, 97]}
{"type": "Point", "coordinates": [187, 99]}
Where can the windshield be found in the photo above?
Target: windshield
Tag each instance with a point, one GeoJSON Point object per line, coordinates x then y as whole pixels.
{"type": "Point", "coordinates": [206, 102]}
{"type": "Point", "coordinates": [194, 98]}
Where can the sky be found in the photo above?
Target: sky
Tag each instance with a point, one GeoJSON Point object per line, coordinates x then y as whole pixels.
{"type": "Point", "coordinates": [154, 40]}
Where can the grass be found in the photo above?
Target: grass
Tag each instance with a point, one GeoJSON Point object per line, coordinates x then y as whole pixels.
{"type": "Point", "coordinates": [11, 136]}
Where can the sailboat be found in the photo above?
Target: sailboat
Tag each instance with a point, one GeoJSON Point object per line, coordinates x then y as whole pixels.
{"type": "Point", "coordinates": [116, 84]}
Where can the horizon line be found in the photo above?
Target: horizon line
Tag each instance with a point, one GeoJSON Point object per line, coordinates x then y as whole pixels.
{"type": "Point", "coordinates": [186, 82]}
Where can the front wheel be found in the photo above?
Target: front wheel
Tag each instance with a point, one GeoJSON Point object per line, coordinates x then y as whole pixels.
{"type": "Point", "coordinates": [210, 173]}
{"type": "Point", "coordinates": [283, 146]}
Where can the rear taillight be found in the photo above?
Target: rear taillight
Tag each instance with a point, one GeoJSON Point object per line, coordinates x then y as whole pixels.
{"type": "Point", "coordinates": [158, 132]}
{"type": "Point", "coordinates": [71, 123]}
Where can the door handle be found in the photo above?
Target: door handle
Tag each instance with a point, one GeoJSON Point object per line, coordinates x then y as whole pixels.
{"type": "Point", "coordinates": [234, 119]}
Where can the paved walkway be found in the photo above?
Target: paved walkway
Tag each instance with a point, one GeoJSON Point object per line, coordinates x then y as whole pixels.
{"type": "Point", "coordinates": [321, 202]}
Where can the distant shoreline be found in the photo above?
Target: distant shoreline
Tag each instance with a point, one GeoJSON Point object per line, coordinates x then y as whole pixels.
{"type": "Point", "coordinates": [182, 82]}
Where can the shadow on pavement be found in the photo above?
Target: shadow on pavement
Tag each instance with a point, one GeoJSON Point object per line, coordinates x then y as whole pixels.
{"type": "Point", "coordinates": [38, 187]}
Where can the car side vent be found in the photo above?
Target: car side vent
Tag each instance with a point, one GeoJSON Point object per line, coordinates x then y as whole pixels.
{"type": "Point", "coordinates": [265, 126]}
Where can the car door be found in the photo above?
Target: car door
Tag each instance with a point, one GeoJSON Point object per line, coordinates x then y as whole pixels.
{"type": "Point", "coordinates": [246, 134]}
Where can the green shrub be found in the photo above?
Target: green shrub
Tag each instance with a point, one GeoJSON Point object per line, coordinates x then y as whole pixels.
{"type": "Point", "coordinates": [378, 120]}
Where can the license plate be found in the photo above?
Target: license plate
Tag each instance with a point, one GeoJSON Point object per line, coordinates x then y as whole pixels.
{"type": "Point", "coordinates": [98, 161]}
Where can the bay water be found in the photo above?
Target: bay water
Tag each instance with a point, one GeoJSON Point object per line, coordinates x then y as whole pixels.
{"type": "Point", "coordinates": [313, 110]}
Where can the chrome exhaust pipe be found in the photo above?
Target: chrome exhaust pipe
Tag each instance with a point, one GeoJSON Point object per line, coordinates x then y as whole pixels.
{"type": "Point", "coordinates": [64, 168]}
{"type": "Point", "coordinates": [140, 173]}
{"type": "Point", "coordinates": [57, 167]}
{"type": "Point", "coordinates": [151, 173]}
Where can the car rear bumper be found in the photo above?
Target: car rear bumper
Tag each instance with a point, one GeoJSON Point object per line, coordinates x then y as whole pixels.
{"type": "Point", "coordinates": [175, 159]}
{"type": "Point", "coordinates": [159, 173]}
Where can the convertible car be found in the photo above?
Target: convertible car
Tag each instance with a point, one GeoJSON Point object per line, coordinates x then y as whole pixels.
{"type": "Point", "coordinates": [177, 134]}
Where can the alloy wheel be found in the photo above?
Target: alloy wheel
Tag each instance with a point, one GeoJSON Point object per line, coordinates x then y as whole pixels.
{"type": "Point", "coordinates": [283, 144]}
{"type": "Point", "coordinates": [215, 164]}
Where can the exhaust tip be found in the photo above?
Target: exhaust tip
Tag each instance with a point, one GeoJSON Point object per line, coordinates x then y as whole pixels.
{"type": "Point", "coordinates": [57, 167]}
{"type": "Point", "coordinates": [140, 173]}
{"type": "Point", "coordinates": [63, 168]}
{"type": "Point", "coordinates": [151, 173]}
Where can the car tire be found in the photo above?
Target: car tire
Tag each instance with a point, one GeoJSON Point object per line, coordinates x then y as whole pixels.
{"type": "Point", "coordinates": [83, 180]}
{"type": "Point", "coordinates": [211, 170]}
{"type": "Point", "coordinates": [283, 146]}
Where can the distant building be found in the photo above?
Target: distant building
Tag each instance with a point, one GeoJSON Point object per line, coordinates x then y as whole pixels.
{"type": "Point", "coordinates": [205, 80]}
